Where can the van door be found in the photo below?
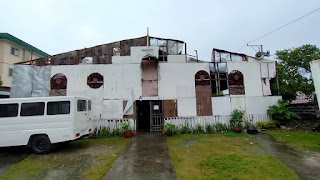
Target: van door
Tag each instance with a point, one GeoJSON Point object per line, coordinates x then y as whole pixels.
{"type": "Point", "coordinates": [81, 118]}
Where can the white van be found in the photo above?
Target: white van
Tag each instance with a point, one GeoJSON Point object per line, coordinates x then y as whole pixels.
{"type": "Point", "coordinates": [41, 121]}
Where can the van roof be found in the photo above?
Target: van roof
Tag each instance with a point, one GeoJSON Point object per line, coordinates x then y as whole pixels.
{"type": "Point", "coordinates": [41, 98]}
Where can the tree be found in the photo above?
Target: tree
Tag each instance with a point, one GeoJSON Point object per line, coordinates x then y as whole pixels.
{"type": "Point", "coordinates": [294, 71]}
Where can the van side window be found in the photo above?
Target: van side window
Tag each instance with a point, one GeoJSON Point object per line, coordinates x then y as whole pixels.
{"type": "Point", "coordinates": [32, 109]}
{"type": "Point", "coordinates": [82, 105]}
{"type": "Point", "coordinates": [89, 105]}
{"type": "Point", "coordinates": [8, 110]}
{"type": "Point", "coordinates": [58, 107]}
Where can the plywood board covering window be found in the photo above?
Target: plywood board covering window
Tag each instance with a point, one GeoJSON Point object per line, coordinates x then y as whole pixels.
{"type": "Point", "coordinates": [170, 108]}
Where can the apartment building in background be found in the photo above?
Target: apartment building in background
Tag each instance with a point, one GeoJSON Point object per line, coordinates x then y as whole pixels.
{"type": "Point", "coordinates": [14, 50]}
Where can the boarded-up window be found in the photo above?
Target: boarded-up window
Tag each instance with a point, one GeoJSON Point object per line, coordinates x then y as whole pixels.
{"type": "Point", "coordinates": [203, 94]}
{"type": "Point", "coordinates": [58, 81]}
{"type": "Point", "coordinates": [170, 108]}
{"type": "Point", "coordinates": [236, 83]}
{"type": "Point", "coordinates": [95, 80]}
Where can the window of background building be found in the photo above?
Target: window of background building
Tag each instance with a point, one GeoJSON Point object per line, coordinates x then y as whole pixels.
{"type": "Point", "coordinates": [32, 109]}
{"type": "Point", "coordinates": [14, 51]}
{"type": "Point", "coordinates": [10, 72]}
{"type": "Point", "coordinates": [8, 110]}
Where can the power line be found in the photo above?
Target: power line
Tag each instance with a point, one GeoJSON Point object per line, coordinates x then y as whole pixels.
{"type": "Point", "coordinates": [280, 28]}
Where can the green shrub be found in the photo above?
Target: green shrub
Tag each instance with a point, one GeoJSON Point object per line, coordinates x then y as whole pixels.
{"type": "Point", "coordinates": [236, 118]}
{"type": "Point", "coordinates": [185, 129]}
{"type": "Point", "coordinates": [199, 129]}
{"type": "Point", "coordinates": [267, 125]}
{"type": "Point", "coordinates": [281, 112]}
{"type": "Point", "coordinates": [169, 129]}
{"type": "Point", "coordinates": [209, 128]}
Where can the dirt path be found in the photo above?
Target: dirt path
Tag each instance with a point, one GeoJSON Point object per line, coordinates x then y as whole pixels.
{"type": "Point", "coordinates": [306, 167]}
{"type": "Point", "coordinates": [146, 157]}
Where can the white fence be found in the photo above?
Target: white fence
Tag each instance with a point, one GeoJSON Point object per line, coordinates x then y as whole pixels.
{"type": "Point", "coordinates": [114, 123]}
{"type": "Point", "coordinates": [193, 121]}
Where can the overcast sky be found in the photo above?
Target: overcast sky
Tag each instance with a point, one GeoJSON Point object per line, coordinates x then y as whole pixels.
{"type": "Point", "coordinates": [57, 26]}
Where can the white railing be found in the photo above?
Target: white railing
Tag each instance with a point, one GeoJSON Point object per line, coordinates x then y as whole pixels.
{"type": "Point", "coordinates": [193, 121]}
{"type": "Point", "coordinates": [113, 123]}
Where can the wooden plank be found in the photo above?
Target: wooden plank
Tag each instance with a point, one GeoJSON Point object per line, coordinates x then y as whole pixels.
{"type": "Point", "coordinates": [170, 108]}
{"type": "Point", "coordinates": [134, 110]}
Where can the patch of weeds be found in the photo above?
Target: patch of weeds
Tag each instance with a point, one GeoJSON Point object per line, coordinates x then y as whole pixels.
{"type": "Point", "coordinates": [82, 159]}
{"type": "Point", "coordinates": [223, 156]}
{"type": "Point", "coordinates": [298, 139]}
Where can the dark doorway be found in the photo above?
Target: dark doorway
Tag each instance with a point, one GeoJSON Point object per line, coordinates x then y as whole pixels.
{"type": "Point", "coordinates": [150, 115]}
{"type": "Point", "coordinates": [143, 115]}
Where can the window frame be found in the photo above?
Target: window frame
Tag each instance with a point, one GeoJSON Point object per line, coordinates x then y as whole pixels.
{"type": "Point", "coordinates": [85, 106]}
{"type": "Point", "coordinates": [58, 102]}
{"type": "Point", "coordinates": [10, 73]}
{"type": "Point", "coordinates": [27, 115]}
{"type": "Point", "coordinates": [14, 51]}
{"type": "Point", "coordinates": [215, 78]}
{"type": "Point", "coordinates": [17, 110]}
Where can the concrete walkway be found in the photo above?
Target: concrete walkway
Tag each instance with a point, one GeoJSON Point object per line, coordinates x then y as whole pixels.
{"type": "Point", "coordinates": [306, 167]}
{"type": "Point", "coordinates": [146, 157]}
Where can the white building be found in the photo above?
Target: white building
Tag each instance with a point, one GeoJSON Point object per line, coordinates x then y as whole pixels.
{"type": "Point", "coordinates": [157, 81]}
{"type": "Point", "coordinates": [315, 71]}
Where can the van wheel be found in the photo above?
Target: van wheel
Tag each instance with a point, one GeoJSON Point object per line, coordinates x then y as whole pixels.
{"type": "Point", "coordinates": [41, 144]}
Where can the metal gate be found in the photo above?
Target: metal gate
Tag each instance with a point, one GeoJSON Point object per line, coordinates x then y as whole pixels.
{"type": "Point", "coordinates": [156, 115]}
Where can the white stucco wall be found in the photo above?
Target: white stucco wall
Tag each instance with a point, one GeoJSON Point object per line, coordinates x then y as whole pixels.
{"type": "Point", "coordinates": [252, 76]}
{"type": "Point", "coordinates": [221, 105]}
{"type": "Point", "coordinates": [187, 107]}
{"type": "Point", "coordinates": [119, 81]}
{"type": "Point", "coordinates": [176, 80]}
{"type": "Point", "coordinates": [260, 105]}
{"type": "Point", "coordinates": [176, 58]}
{"type": "Point", "coordinates": [315, 70]}
{"type": "Point", "coordinates": [138, 52]}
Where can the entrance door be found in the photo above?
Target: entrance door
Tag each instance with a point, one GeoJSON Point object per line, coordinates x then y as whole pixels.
{"type": "Point", "coordinates": [156, 115]}
{"type": "Point", "coordinates": [150, 115]}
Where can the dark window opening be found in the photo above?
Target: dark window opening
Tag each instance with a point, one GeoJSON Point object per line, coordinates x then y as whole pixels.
{"type": "Point", "coordinates": [32, 109]}
{"type": "Point", "coordinates": [58, 107]}
{"type": "Point", "coordinates": [89, 105]}
{"type": "Point", "coordinates": [81, 105]}
{"type": "Point", "coordinates": [236, 83]}
{"type": "Point", "coordinates": [10, 72]}
{"type": "Point", "coordinates": [219, 79]}
{"type": "Point", "coordinates": [9, 110]}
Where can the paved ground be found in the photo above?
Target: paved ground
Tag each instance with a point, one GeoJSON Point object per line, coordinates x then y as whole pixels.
{"type": "Point", "coordinates": [305, 166]}
{"type": "Point", "coordinates": [146, 157]}
{"type": "Point", "coordinates": [10, 156]}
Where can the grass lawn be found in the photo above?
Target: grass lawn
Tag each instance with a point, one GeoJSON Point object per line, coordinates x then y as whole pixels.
{"type": "Point", "coordinates": [224, 156]}
{"type": "Point", "coordinates": [304, 140]}
{"type": "Point", "coordinates": [83, 159]}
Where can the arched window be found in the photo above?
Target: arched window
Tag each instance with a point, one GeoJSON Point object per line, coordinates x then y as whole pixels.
{"type": "Point", "coordinates": [58, 81]}
{"type": "Point", "coordinates": [203, 93]}
{"type": "Point", "coordinates": [236, 82]}
{"type": "Point", "coordinates": [95, 80]}
{"type": "Point", "coordinates": [202, 78]}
